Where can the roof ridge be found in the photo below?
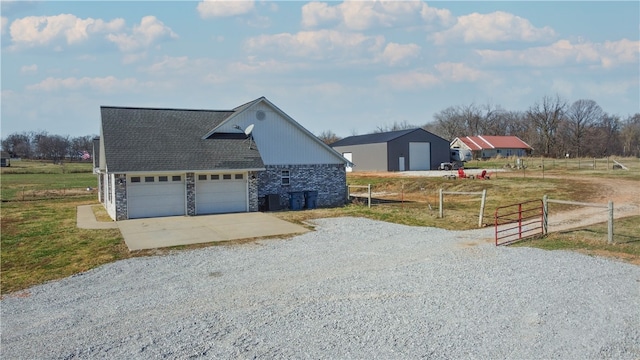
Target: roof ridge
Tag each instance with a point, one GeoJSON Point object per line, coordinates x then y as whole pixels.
{"type": "Point", "coordinates": [474, 143]}
{"type": "Point", "coordinates": [486, 141]}
{"type": "Point", "coordinates": [161, 109]}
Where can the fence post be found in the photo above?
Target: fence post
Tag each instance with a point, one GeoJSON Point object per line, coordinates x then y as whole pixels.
{"type": "Point", "coordinates": [545, 214]}
{"type": "Point", "coordinates": [441, 210]}
{"type": "Point", "coordinates": [519, 221]}
{"type": "Point", "coordinates": [369, 195]}
{"type": "Point", "coordinates": [482, 202]}
{"type": "Point", "coordinates": [610, 227]}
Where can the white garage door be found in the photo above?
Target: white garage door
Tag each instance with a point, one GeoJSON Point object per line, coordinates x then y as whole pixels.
{"type": "Point", "coordinates": [419, 156]}
{"type": "Point", "coordinates": [221, 193]}
{"type": "Point", "coordinates": [153, 195]}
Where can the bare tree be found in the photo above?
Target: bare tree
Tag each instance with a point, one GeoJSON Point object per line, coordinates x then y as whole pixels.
{"type": "Point", "coordinates": [18, 145]}
{"type": "Point", "coordinates": [395, 127]}
{"type": "Point", "coordinates": [630, 135]}
{"type": "Point", "coordinates": [495, 120]}
{"type": "Point", "coordinates": [449, 123]}
{"type": "Point", "coordinates": [581, 116]}
{"type": "Point", "coordinates": [52, 147]}
{"type": "Point", "coordinates": [606, 139]}
{"type": "Point", "coordinates": [545, 116]}
{"type": "Point", "coordinates": [328, 137]}
{"type": "Point", "coordinates": [80, 145]}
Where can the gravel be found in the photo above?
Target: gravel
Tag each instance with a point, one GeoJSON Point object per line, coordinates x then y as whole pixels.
{"type": "Point", "coordinates": [355, 288]}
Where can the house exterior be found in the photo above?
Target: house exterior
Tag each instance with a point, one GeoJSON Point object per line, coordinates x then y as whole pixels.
{"type": "Point", "coordinates": [484, 147]}
{"type": "Point", "coordinates": [5, 159]}
{"type": "Point", "coordinates": [402, 150]}
{"type": "Point", "coordinates": [166, 162]}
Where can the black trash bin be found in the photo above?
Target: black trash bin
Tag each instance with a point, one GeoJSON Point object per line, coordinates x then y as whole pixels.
{"type": "Point", "coordinates": [296, 200]}
{"type": "Point", "coordinates": [311, 199]}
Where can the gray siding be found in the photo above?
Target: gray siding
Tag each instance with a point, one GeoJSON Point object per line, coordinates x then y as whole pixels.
{"type": "Point", "coordinates": [400, 147]}
{"type": "Point", "coordinates": [367, 157]}
{"type": "Point", "coordinates": [384, 156]}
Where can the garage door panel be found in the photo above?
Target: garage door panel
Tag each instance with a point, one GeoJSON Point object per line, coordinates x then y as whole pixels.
{"type": "Point", "coordinates": [221, 196]}
{"type": "Point", "coordinates": [152, 199]}
{"type": "Point", "coordinates": [419, 156]}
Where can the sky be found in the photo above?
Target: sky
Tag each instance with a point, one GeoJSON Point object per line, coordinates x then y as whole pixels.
{"type": "Point", "coordinates": [347, 67]}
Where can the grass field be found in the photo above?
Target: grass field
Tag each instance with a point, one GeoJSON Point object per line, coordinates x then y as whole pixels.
{"type": "Point", "coordinates": [41, 242]}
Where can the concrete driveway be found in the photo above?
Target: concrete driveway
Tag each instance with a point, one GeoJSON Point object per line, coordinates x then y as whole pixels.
{"type": "Point", "coordinates": [152, 233]}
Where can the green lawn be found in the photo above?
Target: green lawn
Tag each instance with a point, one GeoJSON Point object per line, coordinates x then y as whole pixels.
{"type": "Point", "coordinates": [41, 242]}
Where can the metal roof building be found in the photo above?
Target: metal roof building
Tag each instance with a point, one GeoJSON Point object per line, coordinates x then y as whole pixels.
{"type": "Point", "coordinates": [403, 150]}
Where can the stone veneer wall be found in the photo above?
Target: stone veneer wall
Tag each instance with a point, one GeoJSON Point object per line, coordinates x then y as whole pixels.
{"type": "Point", "coordinates": [191, 193]}
{"type": "Point", "coordinates": [121, 196]}
{"type": "Point", "coordinates": [330, 180]}
{"type": "Point", "coordinates": [253, 191]}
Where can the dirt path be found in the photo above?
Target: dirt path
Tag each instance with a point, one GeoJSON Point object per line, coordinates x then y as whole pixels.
{"type": "Point", "coordinates": [625, 195]}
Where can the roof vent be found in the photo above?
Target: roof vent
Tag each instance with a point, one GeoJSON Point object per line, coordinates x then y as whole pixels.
{"type": "Point", "coordinates": [260, 115]}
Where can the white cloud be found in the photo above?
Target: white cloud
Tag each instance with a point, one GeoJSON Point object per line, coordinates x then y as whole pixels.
{"type": "Point", "coordinates": [399, 54]}
{"type": "Point", "coordinates": [320, 44]}
{"type": "Point", "coordinates": [131, 58]}
{"type": "Point", "coordinates": [362, 15]}
{"type": "Point", "coordinates": [459, 72]}
{"type": "Point", "coordinates": [29, 69]}
{"type": "Point", "coordinates": [609, 54]}
{"type": "Point", "coordinates": [143, 35]}
{"type": "Point", "coordinates": [33, 31]}
{"type": "Point", "coordinates": [494, 27]}
{"type": "Point", "coordinates": [107, 84]}
{"type": "Point", "coordinates": [611, 88]}
{"type": "Point", "coordinates": [316, 13]}
{"type": "Point", "coordinates": [4, 22]}
{"type": "Point", "coordinates": [252, 66]}
{"type": "Point", "coordinates": [413, 80]}
{"type": "Point", "coordinates": [223, 8]}
{"type": "Point", "coordinates": [169, 63]}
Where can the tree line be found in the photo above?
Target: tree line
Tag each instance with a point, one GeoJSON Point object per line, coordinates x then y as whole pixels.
{"type": "Point", "coordinates": [552, 126]}
{"type": "Point", "coordinates": [44, 146]}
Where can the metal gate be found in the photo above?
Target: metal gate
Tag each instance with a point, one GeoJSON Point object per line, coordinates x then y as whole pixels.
{"type": "Point", "coordinates": [519, 221]}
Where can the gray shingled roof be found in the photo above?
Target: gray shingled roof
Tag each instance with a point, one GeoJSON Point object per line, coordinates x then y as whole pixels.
{"type": "Point", "coordinates": [372, 138]}
{"type": "Point", "coordinates": [144, 139]}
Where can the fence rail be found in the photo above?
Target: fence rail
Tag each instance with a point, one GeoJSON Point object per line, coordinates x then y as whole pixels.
{"type": "Point", "coordinates": [482, 193]}
{"type": "Point", "coordinates": [608, 206]}
{"type": "Point", "coordinates": [518, 221]}
{"type": "Point", "coordinates": [368, 187]}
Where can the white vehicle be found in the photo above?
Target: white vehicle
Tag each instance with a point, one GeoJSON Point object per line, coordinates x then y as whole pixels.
{"type": "Point", "coordinates": [457, 159]}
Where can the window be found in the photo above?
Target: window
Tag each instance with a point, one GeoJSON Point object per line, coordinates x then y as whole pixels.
{"type": "Point", "coordinates": [149, 179]}
{"type": "Point", "coordinates": [215, 177]}
{"type": "Point", "coordinates": [239, 177]}
{"type": "Point", "coordinates": [163, 178]}
{"type": "Point", "coordinates": [176, 178]}
{"type": "Point", "coordinates": [202, 177]}
{"type": "Point", "coordinates": [135, 179]}
{"type": "Point", "coordinates": [226, 176]}
{"type": "Point", "coordinates": [285, 177]}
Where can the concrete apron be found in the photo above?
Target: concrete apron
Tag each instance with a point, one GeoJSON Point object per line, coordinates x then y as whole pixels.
{"type": "Point", "coordinates": [151, 233]}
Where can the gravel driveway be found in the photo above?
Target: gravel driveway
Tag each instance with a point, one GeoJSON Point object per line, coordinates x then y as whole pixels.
{"type": "Point", "coordinates": [355, 288]}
